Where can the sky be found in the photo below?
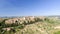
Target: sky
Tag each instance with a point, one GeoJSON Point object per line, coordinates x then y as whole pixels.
{"type": "Point", "coordinates": [29, 7]}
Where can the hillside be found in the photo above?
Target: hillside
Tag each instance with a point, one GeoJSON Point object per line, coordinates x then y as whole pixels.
{"type": "Point", "coordinates": [30, 25]}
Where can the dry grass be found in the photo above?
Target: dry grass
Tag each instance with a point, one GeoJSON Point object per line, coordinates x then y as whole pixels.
{"type": "Point", "coordinates": [29, 25]}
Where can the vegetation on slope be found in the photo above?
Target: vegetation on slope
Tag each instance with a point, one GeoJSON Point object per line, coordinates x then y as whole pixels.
{"type": "Point", "coordinates": [36, 25]}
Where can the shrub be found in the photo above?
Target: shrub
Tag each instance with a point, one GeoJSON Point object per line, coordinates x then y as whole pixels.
{"type": "Point", "coordinates": [38, 19]}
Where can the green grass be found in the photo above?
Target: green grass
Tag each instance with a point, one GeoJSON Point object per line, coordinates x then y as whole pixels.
{"type": "Point", "coordinates": [58, 32]}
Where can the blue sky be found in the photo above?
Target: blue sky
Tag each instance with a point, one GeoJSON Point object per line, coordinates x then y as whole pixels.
{"type": "Point", "coordinates": [29, 7]}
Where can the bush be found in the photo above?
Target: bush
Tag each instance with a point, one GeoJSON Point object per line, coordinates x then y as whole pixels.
{"type": "Point", "coordinates": [38, 19]}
